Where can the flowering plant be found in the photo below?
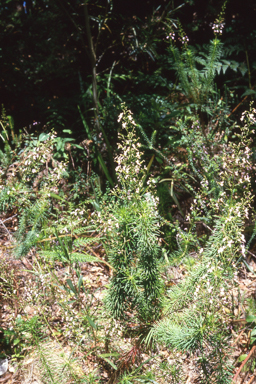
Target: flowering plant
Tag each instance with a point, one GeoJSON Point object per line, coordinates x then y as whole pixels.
{"type": "Point", "coordinates": [131, 226]}
{"type": "Point", "coordinates": [198, 307]}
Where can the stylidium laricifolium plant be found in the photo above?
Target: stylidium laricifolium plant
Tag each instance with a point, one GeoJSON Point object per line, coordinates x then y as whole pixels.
{"type": "Point", "coordinates": [217, 176]}
{"type": "Point", "coordinates": [198, 308]}
{"type": "Point", "coordinates": [32, 172]}
{"type": "Point", "coordinates": [28, 184]}
{"type": "Point", "coordinates": [219, 23]}
{"type": "Point", "coordinates": [130, 225]}
{"type": "Point", "coordinates": [229, 187]}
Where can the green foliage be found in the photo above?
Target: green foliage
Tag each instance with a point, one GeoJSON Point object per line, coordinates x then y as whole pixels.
{"type": "Point", "coordinates": [24, 334]}
{"type": "Point", "coordinates": [193, 316]}
{"type": "Point", "coordinates": [63, 250]}
{"type": "Point", "coordinates": [52, 363]}
{"type": "Point", "coordinates": [197, 84]}
{"type": "Point", "coordinates": [135, 378]}
{"type": "Point", "coordinates": [9, 138]}
{"type": "Point", "coordinates": [200, 153]}
{"type": "Point", "coordinates": [130, 226]}
{"type": "Point", "coordinates": [34, 218]}
{"type": "Point", "coordinates": [34, 183]}
{"type": "Point", "coordinates": [194, 309]}
{"type": "Point", "coordinates": [251, 319]}
{"type": "Point", "coordinates": [196, 70]}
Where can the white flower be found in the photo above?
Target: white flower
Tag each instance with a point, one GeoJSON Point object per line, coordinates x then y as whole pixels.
{"type": "Point", "coordinates": [230, 243]}
{"type": "Point", "coordinates": [120, 117]}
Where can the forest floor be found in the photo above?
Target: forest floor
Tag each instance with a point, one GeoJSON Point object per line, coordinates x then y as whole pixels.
{"type": "Point", "coordinates": [95, 357]}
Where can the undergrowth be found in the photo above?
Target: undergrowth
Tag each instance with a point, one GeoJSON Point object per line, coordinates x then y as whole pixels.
{"type": "Point", "coordinates": [97, 301]}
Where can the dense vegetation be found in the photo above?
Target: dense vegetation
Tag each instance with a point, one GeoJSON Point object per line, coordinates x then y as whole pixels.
{"type": "Point", "coordinates": [127, 145]}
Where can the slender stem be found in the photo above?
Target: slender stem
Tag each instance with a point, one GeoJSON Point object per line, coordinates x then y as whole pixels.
{"type": "Point", "coordinates": [244, 362]}
{"type": "Point", "coordinates": [249, 72]}
{"type": "Point", "coordinates": [251, 379]}
{"type": "Point", "coordinates": [92, 57]}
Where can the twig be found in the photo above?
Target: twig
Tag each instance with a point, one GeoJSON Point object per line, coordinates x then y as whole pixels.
{"type": "Point", "coordinates": [9, 218]}
{"type": "Point", "coordinates": [251, 379]}
{"type": "Point", "coordinates": [238, 337]}
{"type": "Point", "coordinates": [95, 254]}
{"type": "Point", "coordinates": [239, 321]}
{"type": "Point", "coordinates": [9, 234]}
{"type": "Point", "coordinates": [67, 235]}
{"type": "Point", "coordinates": [238, 105]}
{"type": "Point", "coordinates": [206, 226]}
{"type": "Point", "coordinates": [252, 254]}
{"type": "Point", "coordinates": [243, 364]}
{"type": "Point", "coordinates": [245, 377]}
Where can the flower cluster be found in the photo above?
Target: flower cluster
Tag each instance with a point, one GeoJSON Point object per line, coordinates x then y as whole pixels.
{"type": "Point", "coordinates": [218, 28]}
{"type": "Point", "coordinates": [184, 39]}
{"type": "Point", "coordinates": [131, 171]}
{"type": "Point", "coordinates": [232, 195]}
{"type": "Point", "coordinates": [132, 187]}
{"type": "Point", "coordinates": [34, 163]}
{"type": "Point", "coordinates": [171, 35]}
{"type": "Point", "coordinates": [249, 116]}
{"type": "Point", "coordinates": [219, 24]}
{"type": "Point", "coordinates": [231, 170]}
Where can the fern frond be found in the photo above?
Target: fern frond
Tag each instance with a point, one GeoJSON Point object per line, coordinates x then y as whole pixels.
{"type": "Point", "coordinates": [74, 257]}
{"type": "Point", "coordinates": [197, 83]}
{"type": "Point", "coordinates": [84, 258]}
{"type": "Point", "coordinates": [84, 241]}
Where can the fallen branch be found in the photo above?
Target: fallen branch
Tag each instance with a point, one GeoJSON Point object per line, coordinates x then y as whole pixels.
{"type": "Point", "coordinates": [243, 364]}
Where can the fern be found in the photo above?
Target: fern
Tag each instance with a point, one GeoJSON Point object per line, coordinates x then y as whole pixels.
{"type": "Point", "coordinates": [196, 83]}
{"type": "Point", "coordinates": [74, 257]}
